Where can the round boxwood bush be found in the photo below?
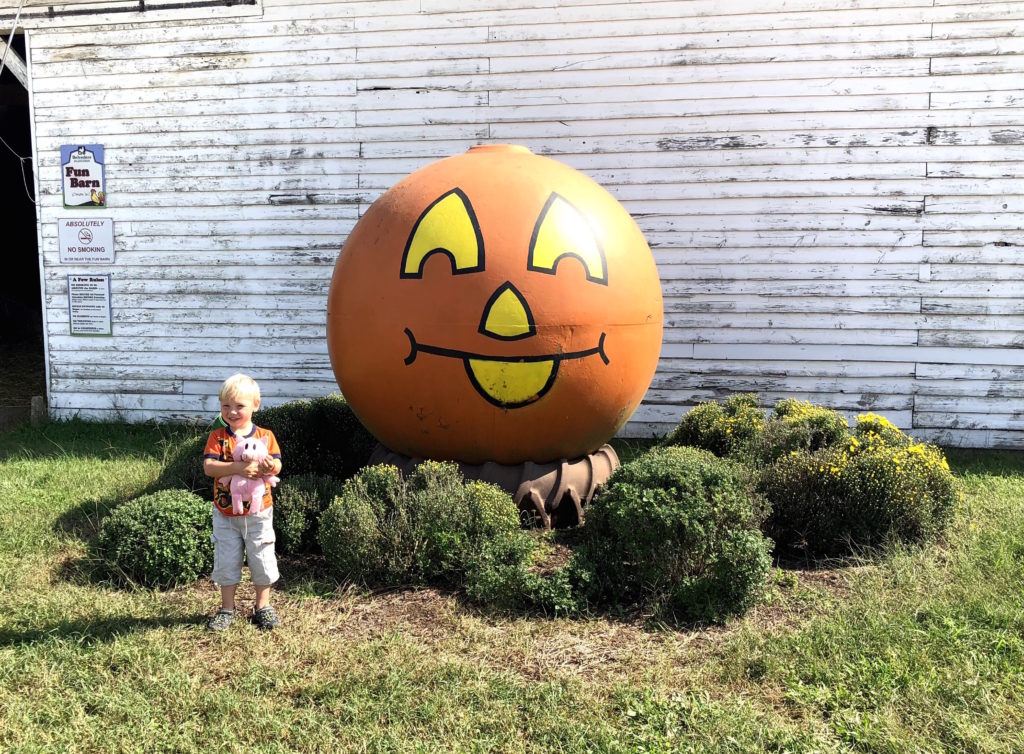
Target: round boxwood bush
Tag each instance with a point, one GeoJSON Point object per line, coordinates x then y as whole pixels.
{"type": "Point", "coordinates": [299, 501]}
{"type": "Point", "coordinates": [677, 532]}
{"type": "Point", "coordinates": [798, 426]}
{"type": "Point", "coordinates": [721, 428]}
{"type": "Point", "coordinates": [872, 429]}
{"type": "Point", "coordinates": [431, 528]}
{"type": "Point", "coordinates": [159, 540]}
{"type": "Point", "coordinates": [320, 436]}
{"type": "Point", "coordinates": [862, 494]}
{"type": "Point", "coordinates": [365, 532]}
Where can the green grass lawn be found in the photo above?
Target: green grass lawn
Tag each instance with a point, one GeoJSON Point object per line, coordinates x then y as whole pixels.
{"type": "Point", "coordinates": [919, 651]}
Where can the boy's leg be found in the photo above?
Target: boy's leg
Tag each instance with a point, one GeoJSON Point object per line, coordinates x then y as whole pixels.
{"type": "Point", "coordinates": [227, 596]}
{"type": "Point", "coordinates": [228, 551]}
{"type": "Point", "coordinates": [263, 615]}
{"type": "Point", "coordinates": [259, 551]}
{"type": "Point", "coordinates": [262, 595]}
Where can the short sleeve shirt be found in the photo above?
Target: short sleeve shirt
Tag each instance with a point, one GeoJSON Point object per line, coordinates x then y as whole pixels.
{"type": "Point", "coordinates": [219, 447]}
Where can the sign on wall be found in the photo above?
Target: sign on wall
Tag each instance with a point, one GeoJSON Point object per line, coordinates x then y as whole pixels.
{"type": "Point", "coordinates": [83, 239]}
{"type": "Point", "coordinates": [89, 304]}
{"type": "Point", "coordinates": [81, 169]}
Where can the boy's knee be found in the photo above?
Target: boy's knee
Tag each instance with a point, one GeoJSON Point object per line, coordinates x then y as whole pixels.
{"type": "Point", "coordinates": [228, 553]}
{"type": "Point", "coordinates": [262, 559]}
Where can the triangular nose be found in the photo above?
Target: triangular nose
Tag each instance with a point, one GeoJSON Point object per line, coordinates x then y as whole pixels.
{"type": "Point", "coordinates": [507, 316]}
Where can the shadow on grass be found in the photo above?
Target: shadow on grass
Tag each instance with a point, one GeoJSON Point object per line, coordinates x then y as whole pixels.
{"type": "Point", "coordinates": [792, 559]}
{"type": "Point", "coordinates": [629, 449]}
{"type": "Point", "coordinates": [80, 439]}
{"type": "Point", "coordinates": [306, 576]}
{"type": "Point", "coordinates": [83, 521]}
{"type": "Point", "coordinates": [90, 570]}
{"type": "Point", "coordinates": [89, 632]}
{"type": "Point", "coordinates": [979, 461]}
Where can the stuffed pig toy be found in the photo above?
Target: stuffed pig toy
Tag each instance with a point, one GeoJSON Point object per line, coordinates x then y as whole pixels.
{"type": "Point", "coordinates": [248, 449]}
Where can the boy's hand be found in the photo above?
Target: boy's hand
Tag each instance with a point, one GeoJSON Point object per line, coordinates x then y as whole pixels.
{"type": "Point", "coordinates": [252, 469]}
{"type": "Point", "coordinates": [268, 466]}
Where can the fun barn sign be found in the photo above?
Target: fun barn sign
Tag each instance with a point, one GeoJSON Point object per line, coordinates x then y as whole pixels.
{"type": "Point", "coordinates": [82, 174]}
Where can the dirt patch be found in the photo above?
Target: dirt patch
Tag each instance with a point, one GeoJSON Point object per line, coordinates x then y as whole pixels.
{"type": "Point", "coordinates": [595, 649]}
{"type": "Point", "coordinates": [800, 593]}
{"type": "Point", "coordinates": [426, 614]}
{"type": "Point", "coordinates": [601, 649]}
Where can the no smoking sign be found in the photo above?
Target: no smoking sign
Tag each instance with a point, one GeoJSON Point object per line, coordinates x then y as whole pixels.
{"type": "Point", "coordinates": [86, 240]}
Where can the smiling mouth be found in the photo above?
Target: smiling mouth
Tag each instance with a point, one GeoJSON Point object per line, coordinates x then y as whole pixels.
{"type": "Point", "coordinates": [507, 381]}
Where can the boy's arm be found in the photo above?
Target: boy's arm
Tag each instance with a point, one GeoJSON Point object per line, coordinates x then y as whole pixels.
{"type": "Point", "coordinates": [218, 469]}
{"type": "Point", "coordinates": [270, 466]}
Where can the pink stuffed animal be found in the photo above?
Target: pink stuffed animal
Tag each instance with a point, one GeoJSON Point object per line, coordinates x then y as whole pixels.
{"type": "Point", "coordinates": [248, 449]}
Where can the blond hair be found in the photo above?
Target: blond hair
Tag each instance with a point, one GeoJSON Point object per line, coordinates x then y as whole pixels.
{"type": "Point", "coordinates": [239, 385]}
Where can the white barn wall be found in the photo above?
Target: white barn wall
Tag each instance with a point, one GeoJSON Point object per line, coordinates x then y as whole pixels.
{"type": "Point", "coordinates": [832, 188]}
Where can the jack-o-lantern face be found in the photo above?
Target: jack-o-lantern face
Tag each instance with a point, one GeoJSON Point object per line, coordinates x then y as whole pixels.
{"type": "Point", "coordinates": [495, 306]}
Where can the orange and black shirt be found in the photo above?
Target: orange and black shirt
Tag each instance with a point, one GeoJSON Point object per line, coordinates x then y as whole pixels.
{"type": "Point", "coordinates": [219, 447]}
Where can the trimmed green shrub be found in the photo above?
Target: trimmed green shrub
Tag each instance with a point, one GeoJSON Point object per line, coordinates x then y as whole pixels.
{"type": "Point", "coordinates": [159, 540]}
{"type": "Point", "coordinates": [320, 436]}
{"type": "Point", "coordinates": [431, 528]}
{"type": "Point", "coordinates": [676, 532]}
{"type": "Point", "coordinates": [872, 429]}
{"type": "Point", "coordinates": [721, 428]}
{"type": "Point", "coordinates": [556, 592]}
{"type": "Point", "coordinates": [860, 494]}
{"type": "Point", "coordinates": [365, 533]}
{"type": "Point", "coordinates": [908, 488]}
{"type": "Point", "coordinates": [798, 426]}
{"type": "Point", "coordinates": [299, 502]}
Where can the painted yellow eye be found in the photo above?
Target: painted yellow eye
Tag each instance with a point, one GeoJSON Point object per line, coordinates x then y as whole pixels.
{"type": "Point", "coordinates": [448, 226]}
{"type": "Point", "coordinates": [561, 231]}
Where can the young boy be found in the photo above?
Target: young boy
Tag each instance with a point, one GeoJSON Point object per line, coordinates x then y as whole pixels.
{"type": "Point", "coordinates": [235, 534]}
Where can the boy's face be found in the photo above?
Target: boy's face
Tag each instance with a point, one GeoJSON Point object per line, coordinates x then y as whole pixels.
{"type": "Point", "coordinates": [237, 410]}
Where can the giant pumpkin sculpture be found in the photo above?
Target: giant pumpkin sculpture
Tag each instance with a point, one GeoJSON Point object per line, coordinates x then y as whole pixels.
{"type": "Point", "coordinates": [495, 306]}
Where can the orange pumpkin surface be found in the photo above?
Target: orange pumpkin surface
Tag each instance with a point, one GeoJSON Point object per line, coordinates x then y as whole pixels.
{"type": "Point", "coordinates": [495, 306]}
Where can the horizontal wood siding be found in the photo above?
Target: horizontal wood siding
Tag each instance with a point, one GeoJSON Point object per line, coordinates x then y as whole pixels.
{"type": "Point", "coordinates": [832, 188]}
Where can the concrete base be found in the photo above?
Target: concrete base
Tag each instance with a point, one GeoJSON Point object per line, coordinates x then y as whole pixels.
{"type": "Point", "coordinates": [38, 413]}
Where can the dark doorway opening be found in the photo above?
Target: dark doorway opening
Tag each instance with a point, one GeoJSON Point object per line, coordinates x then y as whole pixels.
{"type": "Point", "coordinates": [22, 363]}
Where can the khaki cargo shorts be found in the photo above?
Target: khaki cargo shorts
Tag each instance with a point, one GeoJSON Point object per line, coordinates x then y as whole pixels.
{"type": "Point", "coordinates": [249, 536]}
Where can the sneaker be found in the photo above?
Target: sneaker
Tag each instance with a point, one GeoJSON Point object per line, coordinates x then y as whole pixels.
{"type": "Point", "coordinates": [266, 618]}
{"type": "Point", "coordinates": [221, 620]}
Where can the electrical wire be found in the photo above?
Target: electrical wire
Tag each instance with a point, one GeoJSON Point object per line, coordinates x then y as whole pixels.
{"type": "Point", "coordinates": [21, 161]}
